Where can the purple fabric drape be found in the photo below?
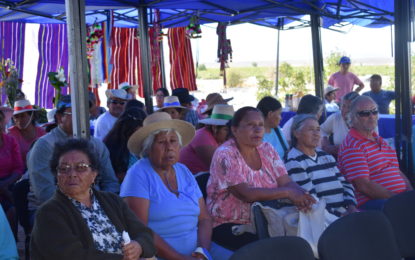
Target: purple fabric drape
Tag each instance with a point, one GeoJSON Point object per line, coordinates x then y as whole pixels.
{"type": "Point", "coordinates": [53, 54]}
{"type": "Point", "coordinates": [12, 38]}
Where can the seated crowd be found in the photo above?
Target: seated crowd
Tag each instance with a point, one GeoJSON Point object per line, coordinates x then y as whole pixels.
{"type": "Point", "coordinates": [131, 191]}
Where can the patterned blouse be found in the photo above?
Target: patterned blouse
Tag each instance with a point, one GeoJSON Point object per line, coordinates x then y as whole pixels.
{"type": "Point", "coordinates": [228, 169]}
{"type": "Point", "coordinates": [106, 238]}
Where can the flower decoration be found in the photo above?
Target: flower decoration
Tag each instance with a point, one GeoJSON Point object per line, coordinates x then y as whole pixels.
{"type": "Point", "coordinates": [193, 30]}
{"type": "Point", "coordinates": [57, 80]}
{"type": "Point", "coordinates": [9, 80]}
{"type": "Point", "coordinates": [94, 36]}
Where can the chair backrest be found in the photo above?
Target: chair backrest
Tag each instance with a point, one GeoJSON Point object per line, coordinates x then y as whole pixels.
{"type": "Point", "coordinates": [359, 236]}
{"type": "Point", "coordinates": [400, 210]}
{"type": "Point", "coordinates": [283, 248]}
{"type": "Point", "coordinates": [202, 180]}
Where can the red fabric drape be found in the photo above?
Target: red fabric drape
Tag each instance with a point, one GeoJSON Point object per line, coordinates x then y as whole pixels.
{"type": "Point", "coordinates": [125, 58]}
{"type": "Point", "coordinates": [182, 73]}
{"type": "Point", "coordinates": [155, 57]}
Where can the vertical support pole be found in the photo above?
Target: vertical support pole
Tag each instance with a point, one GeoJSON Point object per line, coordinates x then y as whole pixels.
{"type": "Point", "coordinates": [317, 54]}
{"type": "Point", "coordinates": [75, 11]}
{"type": "Point", "coordinates": [403, 117]}
{"type": "Point", "coordinates": [277, 65]}
{"type": "Point", "coordinates": [162, 67]}
{"type": "Point", "coordinates": [145, 58]}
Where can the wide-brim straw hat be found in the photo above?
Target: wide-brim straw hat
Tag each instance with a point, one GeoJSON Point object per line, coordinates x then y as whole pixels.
{"type": "Point", "coordinates": [117, 93]}
{"type": "Point", "coordinates": [171, 102]}
{"type": "Point", "coordinates": [221, 115]}
{"type": "Point", "coordinates": [158, 121]}
{"type": "Point", "coordinates": [213, 99]}
{"type": "Point", "coordinates": [21, 106]}
{"type": "Point", "coordinates": [328, 89]}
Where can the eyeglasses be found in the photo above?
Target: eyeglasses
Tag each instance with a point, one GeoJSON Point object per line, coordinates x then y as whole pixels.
{"type": "Point", "coordinates": [366, 113]}
{"type": "Point", "coordinates": [78, 168]}
{"type": "Point", "coordinates": [67, 113]}
{"type": "Point", "coordinates": [116, 102]}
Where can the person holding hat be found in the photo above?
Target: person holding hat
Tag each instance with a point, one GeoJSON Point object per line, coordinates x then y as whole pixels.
{"type": "Point", "coordinates": [11, 169]}
{"type": "Point", "coordinates": [382, 97]}
{"type": "Point", "coordinates": [163, 193]}
{"type": "Point", "coordinates": [25, 130]}
{"type": "Point", "coordinates": [172, 107]}
{"type": "Point", "coordinates": [130, 89]}
{"type": "Point", "coordinates": [330, 99]}
{"type": "Point", "coordinates": [344, 80]}
{"type": "Point", "coordinates": [186, 99]}
{"type": "Point", "coordinates": [197, 155]}
{"type": "Point", "coordinates": [116, 99]}
{"type": "Point", "coordinates": [42, 181]}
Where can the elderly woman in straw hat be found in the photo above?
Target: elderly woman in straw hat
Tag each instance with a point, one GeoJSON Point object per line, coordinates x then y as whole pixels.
{"type": "Point", "coordinates": [25, 130]}
{"type": "Point", "coordinates": [163, 193]}
{"type": "Point", "coordinates": [198, 154]}
{"type": "Point", "coordinates": [172, 107]}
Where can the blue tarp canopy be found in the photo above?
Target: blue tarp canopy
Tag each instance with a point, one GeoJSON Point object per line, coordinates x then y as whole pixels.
{"type": "Point", "coordinates": [174, 13]}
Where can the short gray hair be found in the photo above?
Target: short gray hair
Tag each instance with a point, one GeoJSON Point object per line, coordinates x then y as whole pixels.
{"type": "Point", "coordinates": [298, 123]}
{"type": "Point", "coordinates": [350, 96]}
{"type": "Point", "coordinates": [355, 103]}
{"type": "Point", "coordinates": [148, 142]}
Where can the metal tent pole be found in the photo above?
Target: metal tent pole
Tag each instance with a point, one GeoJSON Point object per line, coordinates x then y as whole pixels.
{"type": "Point", "coordinates": [145, 58]}
{"type": "Point", "coordinates": [277, 65]}
{"type": "Point", "coordinates": [162, 66]}
{"type": "Point", "coordinates": [317, 54]}
{"type": "Point", "coordinates": [75, 20]}
{"type": "Point", "coordinates": [403, 117]}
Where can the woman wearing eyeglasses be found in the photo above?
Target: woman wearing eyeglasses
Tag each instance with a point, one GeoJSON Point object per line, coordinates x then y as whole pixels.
{"type": "Point", "coordinates": [79, 222]}
{"type": "Point", "coordinates": [163, 193]}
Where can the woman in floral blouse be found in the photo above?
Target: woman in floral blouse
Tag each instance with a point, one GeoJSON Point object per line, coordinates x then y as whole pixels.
{"type": "Point", "coordinates": [244, 170]}
{"type": "Point", "coordinates": [82, 223]}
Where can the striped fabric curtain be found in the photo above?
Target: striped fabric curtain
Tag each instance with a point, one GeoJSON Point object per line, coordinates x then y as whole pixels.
{"type": "Point", "coordinates": [154, 34]}
{"type": "Point", "coordinates": [125, 58]}
{"type": "Point", "coordinates": [53, 54]}
{"type": "Point", "coordinates": [12, 37]}
{"type": "Point", "coordinates": [182, 73]}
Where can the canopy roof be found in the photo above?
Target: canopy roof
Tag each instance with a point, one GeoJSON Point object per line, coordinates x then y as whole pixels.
{"type": "Point", "coordinates": [174, 13]}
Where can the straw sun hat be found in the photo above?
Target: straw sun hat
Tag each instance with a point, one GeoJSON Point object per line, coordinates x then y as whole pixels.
{"type": "Point", "coordinates": [213, 99]}
{"type": "Point", "coordinates": [158, 121]}
{"type": "Point", "coordinates": [171, 102]}
{"type": "Point", "coordinates": [21, 106]}
{"type": "Point", "coordinates": [221, 115]}
{"type": "Point", "coordinates": [116, 93]}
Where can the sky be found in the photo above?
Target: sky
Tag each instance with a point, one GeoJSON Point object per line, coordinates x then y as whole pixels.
{"type": "Point", "coordinates": [252, 43]}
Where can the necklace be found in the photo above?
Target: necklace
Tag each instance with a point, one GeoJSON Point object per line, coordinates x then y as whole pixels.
{"type": "Point", "coordinates": [175, 191]}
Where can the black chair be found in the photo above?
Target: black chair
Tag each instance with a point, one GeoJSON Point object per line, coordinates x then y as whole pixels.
{"type": "Point", "coordinates": [400, 210]}
{"type": "Point", "coordinates": [202, 180]}
{"type": "Point", "coordinates": [276, 248]}
{"type": "Point", "coordinates": [359, 236]}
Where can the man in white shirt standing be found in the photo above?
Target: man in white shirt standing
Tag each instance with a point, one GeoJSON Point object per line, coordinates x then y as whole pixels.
{"type": "Point", "coordinates": [116, 104]}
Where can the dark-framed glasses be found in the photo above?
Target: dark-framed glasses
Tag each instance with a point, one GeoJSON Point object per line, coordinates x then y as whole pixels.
{"type": "Point", "coordinates": [117, 102]}
{"type": "Point", "coordinates": [78, 168]}
{"type": "Point", "coordinates": [367, 113]}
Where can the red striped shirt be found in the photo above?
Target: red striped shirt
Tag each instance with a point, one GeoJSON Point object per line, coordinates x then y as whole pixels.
{"type": "Point", "coordinates": [360, 157]}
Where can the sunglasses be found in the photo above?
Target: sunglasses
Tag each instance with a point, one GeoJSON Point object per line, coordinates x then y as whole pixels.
{"type": "Point", "coordinates": [78, 168]}
{"type": "Point", "coordinates": [366, 113]}
{"type": "Point", "coordinates": [116, 102]}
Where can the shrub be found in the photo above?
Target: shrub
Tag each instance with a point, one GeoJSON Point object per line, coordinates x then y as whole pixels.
{"type": "Point", "coordinates": [265, 88]}
{"type": "Point", "coordinates": [202, 67]}
{"type": "Point", "coordinates": [234, 79]}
